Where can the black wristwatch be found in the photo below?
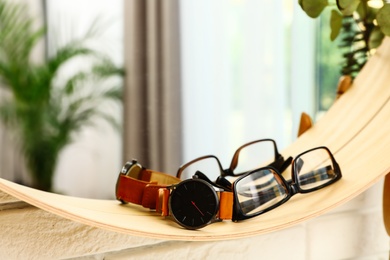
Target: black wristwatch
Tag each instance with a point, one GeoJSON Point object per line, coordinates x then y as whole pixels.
{"type": "Point", "coordinates": [194, 203]}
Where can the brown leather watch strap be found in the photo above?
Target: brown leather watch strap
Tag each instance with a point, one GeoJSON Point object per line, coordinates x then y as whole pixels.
{"type": "Point", "coordinates": [148, 188]}
{"type": "Point", "coordinates": [226, 205]}
{"type": "Point", "coordinates": [163, 200]}
{"type": "Point", "coordinates": [131, 190]}
{"type": "Point", "coordinates": [143, 188]}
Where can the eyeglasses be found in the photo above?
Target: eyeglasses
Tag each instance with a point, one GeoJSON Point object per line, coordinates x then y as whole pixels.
{"type": "Point", "coordinates": [247, 157]}
{"type": "Point", "coordinates": [264, 189]}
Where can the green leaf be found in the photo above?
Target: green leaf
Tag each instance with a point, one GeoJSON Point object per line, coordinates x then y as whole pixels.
{"type": "Point", "coordinates": [336, 21]}
{"type": "Point", "coordinates": [383, 18]}
{"type": "Point", "coordinates": [361, 11]}
{"type": "Point", "coordinates": [376, 38]}
{"type": "Point", "coordinates": [313, 8]}
{"type": "Point", "coordinates": [347, 7]}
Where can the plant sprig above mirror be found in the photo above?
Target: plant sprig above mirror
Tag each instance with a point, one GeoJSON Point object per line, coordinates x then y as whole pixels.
{"type": "Point", "coordinates": [361, 24]}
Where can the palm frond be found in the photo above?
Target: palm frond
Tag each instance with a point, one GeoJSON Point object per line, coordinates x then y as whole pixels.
{"type": "Point", "coordinates": [17, 33]}
{"type": "Point", "coordinates": [44, 110]}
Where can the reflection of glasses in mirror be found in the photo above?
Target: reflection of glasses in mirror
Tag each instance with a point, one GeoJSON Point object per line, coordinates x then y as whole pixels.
{"type": "Point", "coordinates": [265, 188]}
{"type": "Point", "coordinates": [247, 157]}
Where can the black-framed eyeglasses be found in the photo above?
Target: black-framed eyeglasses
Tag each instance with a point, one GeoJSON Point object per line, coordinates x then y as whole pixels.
{"type": "Point", "coordinates": [247, 157]}
{"type": "Point", "coordinates": [264, 189]}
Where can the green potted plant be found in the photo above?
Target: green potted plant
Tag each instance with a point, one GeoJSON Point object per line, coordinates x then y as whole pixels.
{"type": "Point", "coordinates": [361, 24]}
{"type": "Point", "coordinates": [42, 111]}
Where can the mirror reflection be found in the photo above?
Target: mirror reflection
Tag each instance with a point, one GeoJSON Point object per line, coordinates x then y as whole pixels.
{"type": "Point", "coordinates": [200, 78]}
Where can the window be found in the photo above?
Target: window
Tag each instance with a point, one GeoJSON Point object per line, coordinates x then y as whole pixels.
{"type": "Point", "coordinates": [329, 60]}
{"type": "Point", "coordinates": [66, 20]}
{"type": "Point", "coordinates": [248, 73]}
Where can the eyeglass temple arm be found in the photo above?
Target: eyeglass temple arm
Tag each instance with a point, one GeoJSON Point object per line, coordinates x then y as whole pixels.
{"type": "Point", "coordinates": [280, 164]}
{"type": "Point", "coordinates": [224, 183]}
{"type": "Point", "coordinates": [224, 186]}
{"type": "Point", "coordinates": [221, 181]}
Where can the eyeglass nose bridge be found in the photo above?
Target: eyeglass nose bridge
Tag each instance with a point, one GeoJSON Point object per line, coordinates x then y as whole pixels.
{"type": "Point", "coordinates": [227, 172]}
{"type": "Point", "coordinates": [294, 189]}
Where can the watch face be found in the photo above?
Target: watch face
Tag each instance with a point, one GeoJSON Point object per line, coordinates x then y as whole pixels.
{"type": "Point", "coordinates": [193, 203]}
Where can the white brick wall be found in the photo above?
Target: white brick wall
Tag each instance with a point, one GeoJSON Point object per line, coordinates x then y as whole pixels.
{"type": "Point", "coordinates": [350, 231]}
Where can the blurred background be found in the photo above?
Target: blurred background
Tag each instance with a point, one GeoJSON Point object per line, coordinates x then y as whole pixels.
{"type": "Point", "coordinates": [200, 78]}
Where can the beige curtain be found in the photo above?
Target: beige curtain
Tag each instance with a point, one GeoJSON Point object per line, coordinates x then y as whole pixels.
{"type": "Point", "coordinates": [152, 114]}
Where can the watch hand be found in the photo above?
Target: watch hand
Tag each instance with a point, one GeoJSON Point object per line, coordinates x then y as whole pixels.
{"type": "Point", "coordinates": [193, 203]}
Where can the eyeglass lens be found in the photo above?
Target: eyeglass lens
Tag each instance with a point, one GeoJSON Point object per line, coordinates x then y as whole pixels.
{"type": "Point", "coordinates": [260, 190]}
{"type": "Point", "coordinates": [255, 155]}
{"type": "Point", "coordinates": [314, 169]}
{"type": "Point", "coordinates": [249, 157]}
